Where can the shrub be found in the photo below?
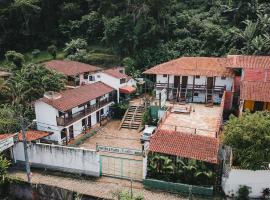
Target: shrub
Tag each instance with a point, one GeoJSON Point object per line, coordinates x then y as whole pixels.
{"type": "Point", "coordinates": [52, 49]}
{"type": "Point", "coordinates": [243, 192]}
{"type": "Point", "coordinates": [15, 57]}
{"type": "Point", "coordinates": [118, 110]}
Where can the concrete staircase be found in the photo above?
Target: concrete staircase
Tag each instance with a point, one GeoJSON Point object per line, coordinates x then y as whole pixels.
{"type": "Point", "coordinates": [132, 118]}
{"type": "Point", "coordinates": [209, 98]}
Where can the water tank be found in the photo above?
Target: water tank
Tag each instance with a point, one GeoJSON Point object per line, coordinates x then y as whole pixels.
{"type": "Point", "coordinates": [52, 95]}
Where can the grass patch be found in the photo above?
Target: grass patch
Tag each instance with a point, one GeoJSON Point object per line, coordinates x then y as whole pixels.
{"type": "Point", "coordinates": [42, 57]}
{"type": "Point", "coordinates": [79, 141]}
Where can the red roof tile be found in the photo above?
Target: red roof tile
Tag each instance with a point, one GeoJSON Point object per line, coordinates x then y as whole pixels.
{"type": "Point", "coordinates": [203, 66]}
{"type": "Point", "coordinates": [185, 145]}
{"type": "Point", "coordinates": [255, 62]}
{"type": "Point", "coordinates": [6, 135]}
{"type": "Point", "coordinates": [70, 68]}
{"type": "Point", "coordinates": [114, 72]}
{"type": "Point", "coordinates": [127, 89]}
{"type": "Point", "coordinates": [74, 97]}
{"type": "Point", "coordinates": [255, 91]}
{"type": "Point", "coordinates": [32, 135]}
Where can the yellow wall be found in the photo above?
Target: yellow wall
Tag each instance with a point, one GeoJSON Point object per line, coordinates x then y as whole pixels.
{"type": "Point", "coordinates": [249, 105]}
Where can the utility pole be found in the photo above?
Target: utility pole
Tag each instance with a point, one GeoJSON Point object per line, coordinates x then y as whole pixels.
{"type": "Point", "coordinates": [27, 164]}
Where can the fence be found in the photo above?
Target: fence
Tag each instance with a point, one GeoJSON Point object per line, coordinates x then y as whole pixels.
{"type": "Point", "coordinates": [177, 187]}
{"type": "Point", "coordinates": [60, 158]}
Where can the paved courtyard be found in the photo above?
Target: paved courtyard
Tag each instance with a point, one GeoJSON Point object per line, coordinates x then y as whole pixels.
{"type": "Point", "coordinates": [201, 118]}
{"type": "Point", "coordinates": [110, 135]}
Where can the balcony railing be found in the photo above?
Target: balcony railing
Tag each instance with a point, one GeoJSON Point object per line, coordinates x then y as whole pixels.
{"type": "Point", "coordinates": [65, 121]}
{"type": "Point", "coordinates": [190, 87]}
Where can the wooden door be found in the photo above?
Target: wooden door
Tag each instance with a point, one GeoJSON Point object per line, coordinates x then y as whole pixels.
{"type": "Point", "coordinates": [98, 116]}
{"type": "Point", "coordinates": [184, 81]}
{"type": "Point", "coordinates": [210, 83]}
{"type": "Point", "coordinates": [71, 133]}
{"type": "Point", "coordinates": [89, 122]}
{"type": "Point", "coordinates": [176, 81]}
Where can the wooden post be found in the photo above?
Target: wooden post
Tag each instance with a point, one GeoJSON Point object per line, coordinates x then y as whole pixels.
{"type": "Point", "coordinates": [168, 81]}
{"type": "Point", "coordinates": [193, 88]}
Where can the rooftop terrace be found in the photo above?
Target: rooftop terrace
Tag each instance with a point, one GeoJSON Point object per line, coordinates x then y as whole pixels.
{"type": "Point", "coordinates": [193, 118]}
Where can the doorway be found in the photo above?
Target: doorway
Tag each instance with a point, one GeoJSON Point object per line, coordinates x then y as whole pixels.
{"type": "Point", "coordinates": [258, 106]}
{"type": "Point", "coordinates": [98, 116]}
{"type": "Point", "coordinates": [71, 133]}
{"type": "Point", "coordinates": [176, 81]}
{"type": "Point", "coordinates": [184, 81]}
{"type": "Point", "coordinates": [89, 122]}
{"type": "Point", "coordinates": [210, 83]}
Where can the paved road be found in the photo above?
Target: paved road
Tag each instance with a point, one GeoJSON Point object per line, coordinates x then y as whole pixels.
{"type": "Point", "coordinates": [103, 187]}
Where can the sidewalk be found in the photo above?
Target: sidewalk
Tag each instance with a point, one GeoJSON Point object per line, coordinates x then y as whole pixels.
{"type": "Point", "coordinates": [102, 188]}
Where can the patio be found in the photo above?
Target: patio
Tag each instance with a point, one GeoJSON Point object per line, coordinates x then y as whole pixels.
{"type": "Point", "coordinates": [200, 120]}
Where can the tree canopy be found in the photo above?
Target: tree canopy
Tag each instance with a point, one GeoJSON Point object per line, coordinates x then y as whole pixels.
{"type": "Point", "coordinates": [150, 32]}
{"type": "Point", "coordinates": [249, 137]}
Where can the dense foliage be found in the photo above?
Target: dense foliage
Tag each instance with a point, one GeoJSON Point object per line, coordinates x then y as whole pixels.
{"type": "Point", "coordinates": [172, 169]}
{"type": "Point", "coordinates": [249, 137]}
{"type": "Point", "coordinates": [149, 32]}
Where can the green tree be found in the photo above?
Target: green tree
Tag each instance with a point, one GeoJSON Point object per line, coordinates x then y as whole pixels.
{"type": "Point", "coordinates": [31, 82]}
{"type": "Point", "coordinates": [4, 164]}
{"type": "Point", "coordinates": [75, 45]}
{"type": "Point", "coordinates": [8, 120]}
{"type": "Point", "coordinates": [249, 137]}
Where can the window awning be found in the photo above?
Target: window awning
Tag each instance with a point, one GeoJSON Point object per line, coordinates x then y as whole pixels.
{"type": "Point", "coordinates": [127, 89]}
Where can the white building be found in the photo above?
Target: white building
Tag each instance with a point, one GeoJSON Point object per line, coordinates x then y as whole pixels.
{"type": "Point", "coordinates": [117, 79]}
{"type": "Point", "coordinates": [79, 73]}
{"type": "Point", "coordinates": [70, 112]}
{"type": "Point", "coordinates": [193, 79]}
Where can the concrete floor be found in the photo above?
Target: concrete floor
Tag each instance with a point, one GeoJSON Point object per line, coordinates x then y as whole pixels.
{"type": "Point", "coordinates": [201, 118]}
{"type": "Point", "coordinates": [110, 135]}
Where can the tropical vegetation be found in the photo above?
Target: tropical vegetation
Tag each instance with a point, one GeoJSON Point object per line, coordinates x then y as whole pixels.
{"type": "Point", "coordinates": [181, 170]}
{"type": "Point", "coordinates": [249, 138]}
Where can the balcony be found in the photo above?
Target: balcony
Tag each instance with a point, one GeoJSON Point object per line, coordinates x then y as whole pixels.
{"type": "Point", "coordinates": [65, 121]}
{"type": "Point", "coordinates": [190, 87]}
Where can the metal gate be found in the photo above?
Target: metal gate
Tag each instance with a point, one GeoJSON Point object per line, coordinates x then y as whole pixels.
{"type": "Point", "coordinates": [121, 167]}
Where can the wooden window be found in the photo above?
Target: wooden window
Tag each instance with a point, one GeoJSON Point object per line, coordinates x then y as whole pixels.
{"type": "Point", "coordinates": [121, 71]}
{"type": "Point", "coordinates": [85, 76]}
{"type": "Point", "coordinates": [223, 77]}
{"type": "Point", "coordinates": [196, 94]}
{"type": "Point", "coordinates": [98, 76]}
{"type": "Point", "coordinates": [220, 95]}
{"type": "Point", "coordinates": [122, 80]}
{"type": "Point", "coordinates": [197, 77]}
{"type": "Point", "coordinates": [164, 75]}
{"type": "Point", "coordinates": [91, 78]}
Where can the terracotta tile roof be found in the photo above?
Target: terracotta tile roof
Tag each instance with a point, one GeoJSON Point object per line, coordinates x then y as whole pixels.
{"type": "Point", "coordinates": [32, 135]}
{"type": "Point", "coordinates": [114, 72]}
{"type": "Point", "coordinates": [127, 89]}
{"type": "Point", "coordinates": [6, 135]}
{"type": "Point", "coordinates": [203, 66]}
{"type": "Point", "coordinates": [255, 62]}
{"type": "Point", "coordinates": [185, 145]}
{"type": "Point", "coordinates": [74, 97]}
{"type": "Point", "coordinates": [255, 91]}
{"type": "Point", "coordinates": [70, 68]}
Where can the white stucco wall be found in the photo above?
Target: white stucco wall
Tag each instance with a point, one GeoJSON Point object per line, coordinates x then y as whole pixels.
{"type": "Point", "coordinates": [228, 82]}
{"type": "Point", "coordinates": [256, 180]}
{"type": "Point", "coordinates": [46, 120]}
{"type": "Point", "coordinates": [66, 159]}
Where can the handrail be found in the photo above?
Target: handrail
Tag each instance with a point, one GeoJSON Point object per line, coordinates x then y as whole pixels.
{"type": "Point", "coordinates": [133, 116]}
{"type": "Point", "coordinates": [123, 119]}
